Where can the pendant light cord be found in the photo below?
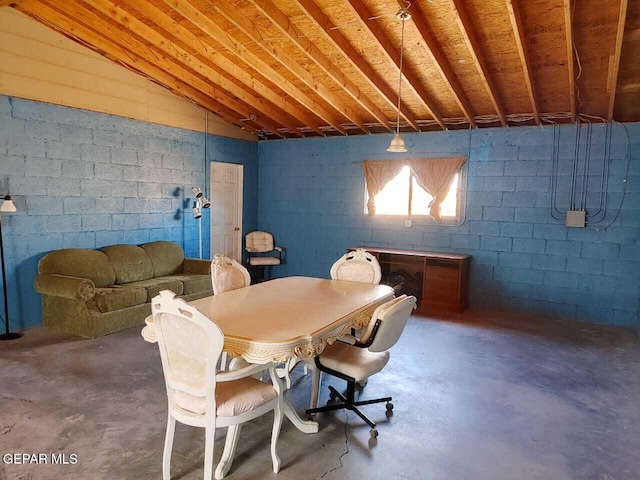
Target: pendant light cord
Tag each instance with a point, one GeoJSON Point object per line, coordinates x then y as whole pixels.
{"type": "Point", "coordinates": [400, 76]}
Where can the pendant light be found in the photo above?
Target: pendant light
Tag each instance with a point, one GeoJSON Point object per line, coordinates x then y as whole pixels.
{"type": "Point", "coordinates": [397, 143]}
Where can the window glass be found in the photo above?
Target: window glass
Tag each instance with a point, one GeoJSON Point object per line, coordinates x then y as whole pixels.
{"type": "Point", "coordinates": [394, 198]}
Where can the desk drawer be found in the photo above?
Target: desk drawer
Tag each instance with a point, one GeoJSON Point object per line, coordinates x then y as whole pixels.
{"type": "Point", "coordinates": [441, 285]}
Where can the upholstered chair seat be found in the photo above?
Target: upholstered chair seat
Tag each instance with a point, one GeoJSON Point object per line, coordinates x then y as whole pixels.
{"type": "Point", "coordinates": [357, 363]}
{"type": "Point", "coordinates": [260, 248]}
{"type": "Point", "coordinates": [264, 261]}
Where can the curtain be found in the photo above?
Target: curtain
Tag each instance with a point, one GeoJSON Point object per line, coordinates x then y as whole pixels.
{"type": "Point", "coordinates": [377, 175]}
{"type": "Point", "coordinates": [435, 175]}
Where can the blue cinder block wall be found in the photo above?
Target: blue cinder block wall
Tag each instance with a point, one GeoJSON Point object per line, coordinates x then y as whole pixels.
{"type": "Point", "coordinates": [85, 179]}
{"type": "Point", "coordinates": [311, 196]}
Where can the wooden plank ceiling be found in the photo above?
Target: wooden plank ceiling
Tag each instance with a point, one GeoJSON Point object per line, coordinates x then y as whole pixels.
{"type": "Point", "coordinates": [296, 68]}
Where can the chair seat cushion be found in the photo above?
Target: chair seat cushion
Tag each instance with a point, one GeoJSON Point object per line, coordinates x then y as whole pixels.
{"type": "Point", "coordinates": [192, 283]}
{"type": "Point", "coordinates": [154, 285]}
{"type": "Point", "coordinates": [114, 298]}
{"type": "Point", "coordinates": [358, 363]}
{"type": "Point", "coordinates": [259, 261]}
{"type": "Point", "coordinates": [232, 398]}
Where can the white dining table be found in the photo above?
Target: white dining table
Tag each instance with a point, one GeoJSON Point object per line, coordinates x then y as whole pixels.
{"type": "Point", "coordinates": [292, 317]}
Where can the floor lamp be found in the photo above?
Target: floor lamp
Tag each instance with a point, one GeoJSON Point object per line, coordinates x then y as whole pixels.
{"type": "Point", "coordinates": [6, 207]}
{"type": "Point", "coordinates": [201, 202]}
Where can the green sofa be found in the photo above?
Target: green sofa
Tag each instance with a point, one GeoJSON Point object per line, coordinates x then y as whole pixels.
{"type": "Point", "coordinates": [96, 292]}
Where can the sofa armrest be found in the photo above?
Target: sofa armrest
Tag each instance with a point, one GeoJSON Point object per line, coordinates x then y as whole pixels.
{"type": "Point", "coordinates": [197, 266]}
{"type": "Point", "coordinates": [64, 286]}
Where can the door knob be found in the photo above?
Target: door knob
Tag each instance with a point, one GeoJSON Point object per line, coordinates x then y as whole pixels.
{"type": "Point", "coordinates": [237, 229]}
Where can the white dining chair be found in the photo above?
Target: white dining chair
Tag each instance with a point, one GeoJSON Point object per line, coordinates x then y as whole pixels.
{"type": "Point", "coordinates": [198, 395]}
{"type": "Point", "coordinates": [353, 359]}
{"type": "Point", "coordinates": [357, 266]}
{"type": "Point", "coordinates": [227, 274]}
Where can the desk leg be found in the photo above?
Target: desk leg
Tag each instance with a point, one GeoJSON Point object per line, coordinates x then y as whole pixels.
{"type": "Point", "coordinates": [302, 425]}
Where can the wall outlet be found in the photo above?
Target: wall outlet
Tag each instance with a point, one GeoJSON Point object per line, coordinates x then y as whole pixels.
{"type": "Point", "coordinates": [407, 223]}
{"type": "Point", "coordinates": [576, 218]}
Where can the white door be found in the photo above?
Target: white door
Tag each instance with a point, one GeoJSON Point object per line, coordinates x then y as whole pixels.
{"type": "Point", "coordinates": [226, 210]}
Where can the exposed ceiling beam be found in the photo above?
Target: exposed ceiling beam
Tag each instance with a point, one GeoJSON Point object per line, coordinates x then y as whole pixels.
{"type": "Point", "coordinates": [394, 56]}
{"type": "Point", "coordinates": [197, 18]}
{"type": "Point", "coordinates": [441, 63]}
{"type": "Point", "coordinates": [239, 20]}
{"type": "Point", "coordinates": [628, 88]}
{"type": "Point", "coordinates": [283, 105]}
{"type": "Point", "coordinates": [333, 35]}
{"type": "Point", "coordinates": [478, 57]}
{"type": "Point", "coordinates": [267, 115]}
{"type": "Point", "coordinates": [632, 35]}
{"type": "Point", "coordinates": [9, 3]}
{"type": "Point", "coordinates": [617, 52]}
{"type": "Point", "coordinates": [568, 29]}
{"type": "Point", "coordinates": [72, 28]}
{"type": "Point", "coordinates": [280, 20]}
{"type": "Point", "coordinates": [518, 31]}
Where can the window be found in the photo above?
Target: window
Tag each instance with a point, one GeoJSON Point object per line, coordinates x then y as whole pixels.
{"type": "Point", "coordinates": [403, 196]}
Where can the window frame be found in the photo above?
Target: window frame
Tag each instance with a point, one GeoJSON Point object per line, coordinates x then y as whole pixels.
{"type": "Point", "coordinates": [461, 195]}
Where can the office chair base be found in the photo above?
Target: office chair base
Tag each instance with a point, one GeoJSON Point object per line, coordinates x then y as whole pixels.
{"type": "Point", "coordinates": [349, 403]}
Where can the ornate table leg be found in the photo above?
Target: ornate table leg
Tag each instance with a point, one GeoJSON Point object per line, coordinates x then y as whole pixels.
{"type": "Point", "coordinates": [302, 425]}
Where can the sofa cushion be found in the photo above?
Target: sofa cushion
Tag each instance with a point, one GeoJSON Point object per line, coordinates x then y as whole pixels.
{"type": "Point", "coordinates": [153, 286]}
{"type": "Point", "coordinates": [193, 283]}
{"type": "Point", "coordinates": [79, 262]}
{"type": "Point", "coordinates": [166, 257]}
{"type": "Point", "coordinates": [117, 297]}
{"type": "Point", "coordinates": [130, 263]}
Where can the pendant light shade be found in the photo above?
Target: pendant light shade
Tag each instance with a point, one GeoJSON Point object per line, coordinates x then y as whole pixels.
{"type": "Point", "coordinates": [7, 205]}
{"type": "Point", "coordinates": [397, 143]}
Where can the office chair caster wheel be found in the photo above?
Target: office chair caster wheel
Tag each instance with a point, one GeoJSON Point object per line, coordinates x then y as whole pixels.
{"type": "Point", "coordinates": [389, 406]}
{"type": "Point", "coordinates": [332, 397]}
{"type": "Point", "coordinates": [363, 383]}
{"type": "Point", "coordinates": [373, 433]}
{"type": "Point", "coordinates": [310, 417]}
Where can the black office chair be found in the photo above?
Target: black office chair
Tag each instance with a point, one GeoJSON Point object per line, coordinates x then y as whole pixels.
{"type": "Point", "coordinates": [257, 244]}
{"type": "Point", "coordinates": [360, 358]}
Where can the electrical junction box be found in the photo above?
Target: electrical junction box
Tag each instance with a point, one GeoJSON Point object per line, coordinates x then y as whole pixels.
{"type": "Point", "coordinates": [576, 218]}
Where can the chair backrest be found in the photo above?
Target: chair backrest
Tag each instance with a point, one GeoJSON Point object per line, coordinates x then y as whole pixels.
{"type": "Point", "coordinates": [190, 345]}
{"type": "Point", "coordinates": [227, 274]}
{"type": "Point", "coordinates": [357, 266]}
{"type": "Point", "coordinates": [259, 242]}
{"type": "Point", "coordinates": [393, 317]}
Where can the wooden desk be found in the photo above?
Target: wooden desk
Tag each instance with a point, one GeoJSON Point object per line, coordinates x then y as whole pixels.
{"type": "Point", "coordinates": [288, 317]}
{"type": "Point", "coordinates": [445, 276]}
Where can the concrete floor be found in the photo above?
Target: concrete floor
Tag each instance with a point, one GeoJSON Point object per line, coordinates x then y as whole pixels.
{"type": "Point", "coordinates": [478, 396]}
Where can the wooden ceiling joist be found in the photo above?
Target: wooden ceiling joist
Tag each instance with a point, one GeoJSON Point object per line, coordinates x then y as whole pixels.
{"type": "Point", "coordinates": [478, 57]}
{"type": "Point", "coordinates": [54, 18]}
{"type": "Point", "coordinates": [617, 51]}
{"type": "Point", "coordinates": [197, 18]}
{"type": "Point", "coordinates": [521, 44]}
{"type": "Point", "coordinates": [298, 38]}
{"type": "Point", "coordinates": [440, 61]}
{"type": "Point", "coordinates": [224, 64]}
{"type": "Point", "coordinates": [313, 12]}
{"type": "Point", "coordinates": [568, 26]}
{"type": "Point", "coordinates": [268, 115]}
{"type": "Point", "coordinates": [247, 27]}
{"type": "Point", "coordinates": [284, 68]}
{"type": "Point", "coordinates": [393, 55]}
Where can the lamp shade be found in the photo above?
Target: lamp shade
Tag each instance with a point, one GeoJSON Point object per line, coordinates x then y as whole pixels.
{"type": "Point", "coordinates": [8, 205]}
{"type": "Point", "coordinates": [397, 144]}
